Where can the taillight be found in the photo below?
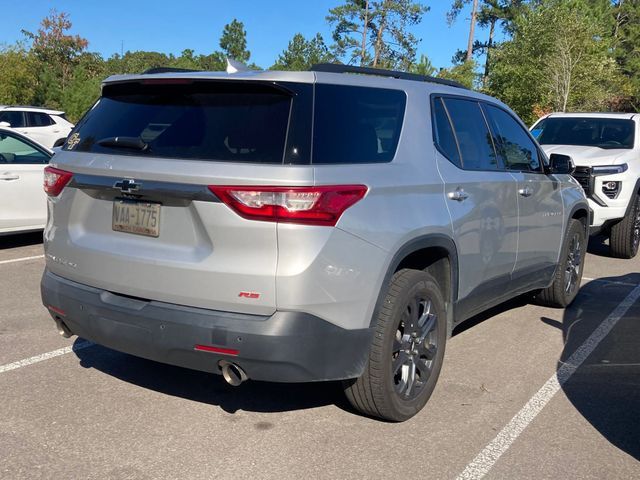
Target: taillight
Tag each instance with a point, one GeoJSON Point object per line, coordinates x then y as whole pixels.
{"type": "Point", "coordinates": [307, 205]}
{"type": "Point", "coordinates": [55, 180]}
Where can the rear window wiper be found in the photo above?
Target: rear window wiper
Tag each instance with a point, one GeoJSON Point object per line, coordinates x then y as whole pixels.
{"type": "Point", "coordinates": [134, 143]}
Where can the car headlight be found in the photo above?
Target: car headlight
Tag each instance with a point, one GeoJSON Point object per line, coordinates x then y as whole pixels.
{"type": "Point", "coordinates": [609, 169]}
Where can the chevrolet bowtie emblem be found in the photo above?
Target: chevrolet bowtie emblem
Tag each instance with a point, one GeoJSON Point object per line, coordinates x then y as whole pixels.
{"type": "Point", "coordinates": [128, 185]}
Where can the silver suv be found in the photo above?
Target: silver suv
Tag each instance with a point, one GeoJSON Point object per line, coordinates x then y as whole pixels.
{"type": "Point", "coordinates": [303, 226]}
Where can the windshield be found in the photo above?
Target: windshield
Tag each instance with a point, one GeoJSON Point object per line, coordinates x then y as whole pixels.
{"type": "Point", "coordinates": [588, 132]}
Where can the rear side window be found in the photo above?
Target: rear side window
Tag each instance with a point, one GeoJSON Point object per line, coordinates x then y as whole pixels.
{"type": "Point", "coordinates": [474, 139]}
{"type": "Point", "coordinates": [356, 124]}
{"type": "Point", "coordinates": [517, 149]}
{"type": "Point", "coordinates": [445, 139]}
{"type": "Point", "coordinates": [15, 119]}
{"type": "Point", "coordinates": [37, 119]}
{"type": "Point", "coordinates": [218, 121]}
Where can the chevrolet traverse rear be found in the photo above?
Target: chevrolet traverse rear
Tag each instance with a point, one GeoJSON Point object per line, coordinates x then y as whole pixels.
{"type": "Point", "coordinates": [302, 226]}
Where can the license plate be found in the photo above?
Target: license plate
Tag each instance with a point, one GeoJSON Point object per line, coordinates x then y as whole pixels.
{"type": "Point", "coordinates": [136, 217]}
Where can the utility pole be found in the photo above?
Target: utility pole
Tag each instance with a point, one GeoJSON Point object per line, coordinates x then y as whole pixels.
{"type": "Point", "coordinates": [474, 15]}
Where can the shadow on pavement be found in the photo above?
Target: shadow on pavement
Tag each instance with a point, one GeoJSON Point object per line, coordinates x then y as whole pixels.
{"type": "Point", "coordinates": [599, 246]}
{"type": "Point", "coordinates": [605, 389]}
{"type": "Point", "coordinates": [209, 388]}
{"type": "Point", "coordinates": [20, 240]}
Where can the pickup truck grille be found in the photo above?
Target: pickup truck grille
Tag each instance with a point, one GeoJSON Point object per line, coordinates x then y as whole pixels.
{"type": "Point", "coordinates": [583, 176]}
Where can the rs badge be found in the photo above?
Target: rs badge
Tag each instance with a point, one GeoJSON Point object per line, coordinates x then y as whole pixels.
{"type": "Point", "coordinates": [252, 295]}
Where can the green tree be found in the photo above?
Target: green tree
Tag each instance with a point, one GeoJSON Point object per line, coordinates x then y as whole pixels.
{"type": "Point", "coordinates": [84, 88]}
{"type": "Point", "coordinates": [456, 8]}
{"type": "Point", "coordinates": [301, 53]}
{"type": "Point", "coordinates": [18, 82]}
{"type": "Point", "coordinates": [423, 67]}
{"type": "Point", "coordinates": [376, 33]}
{"type": "Point", "coordinates": [58, 53]}
{"type": "Point", "coordinates": [626, 44]}
{"type": "Point", "coordinates": [463, 73]}
{"type": "Point", "coordinates": [558, 59]}
{"type": "Point", "coordinates": [136, 62]}
{"type": "Point", "coordinates": [492, 13]}
{"type": "Point", "coordinates": [234, 41]}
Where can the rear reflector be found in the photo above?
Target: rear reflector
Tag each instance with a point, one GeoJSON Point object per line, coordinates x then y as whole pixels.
{"type": "Point", "coordinates": [57, 310]}
{"type": "Point", "coordinates": [305, 205]}
{"type": "Point", "coordinates": [224, 351]}
{"type": "Point", "coordinates": [55, 180]}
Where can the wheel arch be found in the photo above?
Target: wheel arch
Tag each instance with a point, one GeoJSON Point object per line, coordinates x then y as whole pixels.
{"type": "Point", "coordinates": [434, 253]}
{"type": "Point", "coordinates": [582, 213]}
{"type": "Point", "coordinates": [636, 191]}
{"type": "Point", "coordinates": [59, 142]}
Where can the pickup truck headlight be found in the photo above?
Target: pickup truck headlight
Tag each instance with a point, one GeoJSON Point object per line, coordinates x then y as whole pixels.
{"type": "Point", "coordinates": [609, 169]}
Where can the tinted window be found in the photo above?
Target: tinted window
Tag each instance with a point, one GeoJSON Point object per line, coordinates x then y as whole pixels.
{"type": "Point", "coordinates": [591, 132]}
{"type": "Point", "coordinates": [516, 148]}
{"type": "Point", "coordinates": [36, 119]}
{"type": "Point", "coordinates": [16, 151]}
{"type": "Point", "coordinates": [223, 121]}
{"type": "Point", "coordinates": [472, 133]}
{"type": "Point", "coordinates": [15, 119]}
{"type": "Point", "coordinates": [445, 139]}
{"type": "Point", "coordinates": [356, 124]}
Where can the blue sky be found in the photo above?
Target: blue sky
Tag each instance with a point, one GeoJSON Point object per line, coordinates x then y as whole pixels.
{"type": "Point", "coordinates": [172, 26]}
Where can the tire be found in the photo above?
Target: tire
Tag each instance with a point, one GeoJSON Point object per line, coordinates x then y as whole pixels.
{"type": "Point", "coordinates": [625, 235]}
{"type": "Point", "coordinates": [59, 142]}
{"type": "Point", "coordinates": [566, 282]}
{"type": "Point", "coordinates": [413, 309]}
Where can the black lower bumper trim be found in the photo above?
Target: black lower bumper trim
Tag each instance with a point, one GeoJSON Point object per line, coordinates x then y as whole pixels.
{"type": "Point", "coordinates": [283, 347]}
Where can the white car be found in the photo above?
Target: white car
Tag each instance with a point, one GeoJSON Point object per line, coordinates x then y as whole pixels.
{"type": "Point", "coordinates": [605, 148]}
{"type": "Point", "coordinates": [23, 205]}
{"type": "Point", "coordinates": [47, 127]}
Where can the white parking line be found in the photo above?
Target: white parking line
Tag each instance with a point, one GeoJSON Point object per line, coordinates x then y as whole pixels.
{"type": "Point", "coordinates": [604, 280]}
{"type": "Point", "coordinates": [481, 465]}
{"type": "Point", "coordinates": [45, 356]}
{"type": "Point", "coordinates": [23, 259]}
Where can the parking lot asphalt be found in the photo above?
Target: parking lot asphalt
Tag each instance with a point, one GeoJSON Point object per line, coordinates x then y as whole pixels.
{"type": "Point", "coordinates": [498, 410]}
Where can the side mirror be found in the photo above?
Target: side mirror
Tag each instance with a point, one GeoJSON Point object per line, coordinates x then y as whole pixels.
{"type": "Point", "coordinates": [5, 124]}
{"type": "Point", "coordinates": [561, 164]}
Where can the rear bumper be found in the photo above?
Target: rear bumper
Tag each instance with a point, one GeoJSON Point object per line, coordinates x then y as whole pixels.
{"type": "Point", "coordinates": [283, 347]}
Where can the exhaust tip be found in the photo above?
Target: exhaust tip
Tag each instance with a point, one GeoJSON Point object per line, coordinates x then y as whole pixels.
{"type": "Point", "coordinates": [233, 374]}
{"type": "Point", "coordinates": [63, 330]}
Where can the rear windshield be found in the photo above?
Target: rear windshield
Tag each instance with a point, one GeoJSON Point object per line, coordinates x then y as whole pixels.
{"type": "Point", "coordinates": [588, 132]}
{"type": "Point", "coordinates": [244, 122]}
{"type": "Point", "coordinates": [225, 121]}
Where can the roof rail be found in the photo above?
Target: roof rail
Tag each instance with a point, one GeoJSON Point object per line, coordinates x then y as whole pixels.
{"type": "Point", "coordinates": [167, 70]}
{"type": "Point", "coordinates": [338, 68]}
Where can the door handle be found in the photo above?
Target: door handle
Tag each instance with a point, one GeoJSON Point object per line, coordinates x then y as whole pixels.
{"type": "Point", "coordinates": [458, 195]}
{"type": "Point", "coordinates": [526, 191]}
{"type": "Point", "coordinates": [9, 177]}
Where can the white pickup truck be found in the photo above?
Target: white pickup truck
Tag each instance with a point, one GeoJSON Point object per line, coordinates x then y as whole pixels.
{"type": "Point", "coordinates": [605, 148]}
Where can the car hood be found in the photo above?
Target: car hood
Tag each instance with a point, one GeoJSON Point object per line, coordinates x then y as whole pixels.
{"type": "Point", "coordinates": [589, 156]}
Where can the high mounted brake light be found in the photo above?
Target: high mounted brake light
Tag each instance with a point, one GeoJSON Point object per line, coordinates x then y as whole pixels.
{"type": "Point", "coordinates": [55, 180]}
{"type": "Point", "coordinates": [303, 205]}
